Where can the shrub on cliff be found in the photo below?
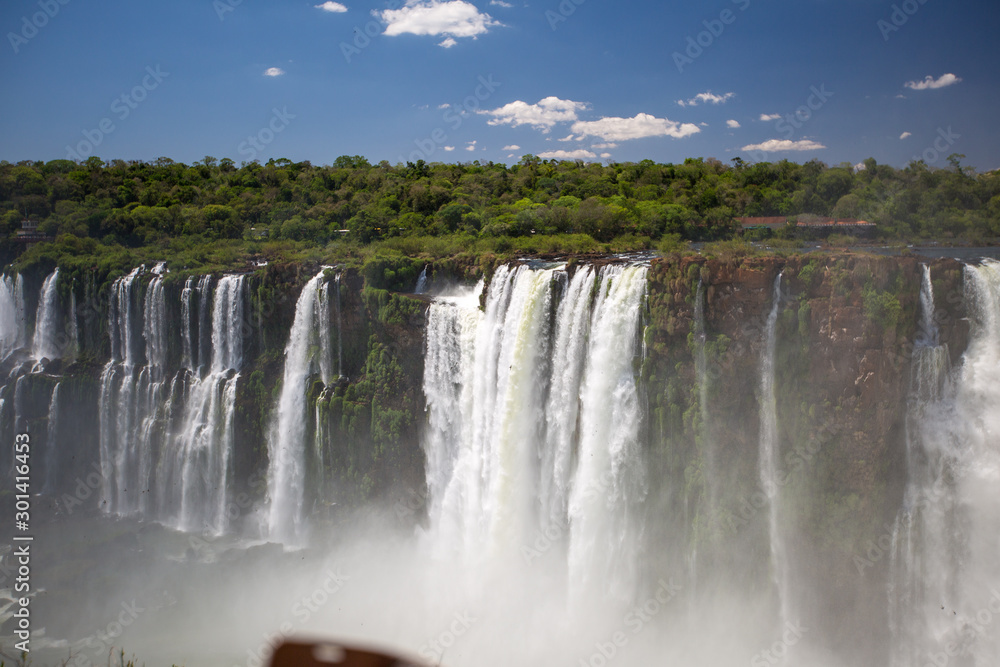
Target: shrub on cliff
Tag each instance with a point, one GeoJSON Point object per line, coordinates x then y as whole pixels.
{"type": "Point", "coordinates": [882, 307]}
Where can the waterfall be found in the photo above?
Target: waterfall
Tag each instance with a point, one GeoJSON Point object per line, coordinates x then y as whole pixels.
{"type": "Point", "coordinates": [166, 439]}
{"type": "Point", "coordinates": [328, 364]}
{"type": "Point", "coordinates": [421, 287]}
{"type": "Point", "coordinates": [138, 455]}
{"type": "Point", "coordinates": [115, 424]}
{"type": "Point", "coordinates": [20, 426]}
{"type": "Point", "coordinates": [306, 353]}
{"type": "Point", "coordinates": [701, 362]}
{"type": "Point", "coordinates": [227, 324]}
{"type": "Point", "coordinates": [12, 325]}
{"type": "Point", "coordinates": [131, 396]}
{"type": "Point", "coordinates": [321, 305]}
{"type": "Point", "coordinates": [770, 459]}
{"type": "Point", "coordinates": [706, 445]}
{"type": "Point", "coordinates": [45, 345]}
{"type": "Point", "coordinates": [120, 320]}
{"type": "Point", "coordinates": [320, 439]}
{"type": "Point", "coordinates": [928, 374]}
{"type": "Point", "coordinates": [196, 326]}
{"type": "Point", "coordinates": [188, 330]}
{"type": "Point", "coordinates": [535, 433]}
{"type": "Point", "coordinates": [204, 327]}
{"type": "Point", "coordinates": [945, 576]}
{"type": "Point", "coordinates": [483, 392]}
{"type": "Point", "coordinates": [449, 367]}
{"type": "Point", "coordinates": [709, 470]}
{"type": "Point", "coordinates": [52, 443]}
{"type": "Point", "coordinates": [340, 327]}
{"type": "Point", "coordinates": [202, 449]}
{"type": "Point", "coordinates": [928, 328]}
{"type": "Point", "coordinates": [509, 417]}
{"type": "Point", "coordinates": [562, 409]}
{"type": "Point", "coordinates": [154, 330]}
{"type": "Point", "coordinates": [609, 480]}
{"type": "Point", "coordinates": [499, 468]}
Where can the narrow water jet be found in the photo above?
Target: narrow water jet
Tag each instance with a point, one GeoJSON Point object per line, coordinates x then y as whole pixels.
{"type": "Point", "coordinates": [707, 445]}
{"type": "Point", "coordinates": [12, 320]}
{"type": "Point", "coordinates": [189, 332]}
{"type": "Point", "coordinates": [306, 353]}
{"type": "Point", "coordinates": [117, 418]}
{"type": "Point", "coordinates": [421, 287]}
{"type": "Point", "coordinates": [52, 453]}
{"type": "Point", "coordinates": [770, 461]}
{"type": "Point", "coordinates": [44, 344]}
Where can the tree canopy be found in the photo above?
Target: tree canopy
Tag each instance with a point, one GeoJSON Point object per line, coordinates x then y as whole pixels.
{"type": "Point", "coordinates": [135, 203]}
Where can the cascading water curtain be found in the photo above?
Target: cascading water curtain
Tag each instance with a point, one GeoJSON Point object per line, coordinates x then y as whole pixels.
{"type": "Point", "coordinates": [166, 440]}
{"type": "Point", "coordinates": [945, 586]}
{"type": "Point", "coordinates": [309, 352]}
{"type": "Point", "coordinates": [498, 466]}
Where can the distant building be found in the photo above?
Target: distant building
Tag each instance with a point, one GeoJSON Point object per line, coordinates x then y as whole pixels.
{"type": "Point", "coordinates": [813, 224]}
{"type": "Point", "coordinates": [29, 234]}
{"type": "Point", "coordinates": [838, 226]}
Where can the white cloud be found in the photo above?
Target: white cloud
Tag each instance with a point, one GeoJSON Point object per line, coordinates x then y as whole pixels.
{"type": "Point", "coordinates": [501, 3]}
{"type": "Point", "coordinates": [512, 147]}
{"type": "Point", "coordinates": [454, 18]}
{"type": "Point", "coordinates": [580, 154]}
{"type": "Point", "coordinates": [448, 43]}
{"type": "Point", "coordinates": [733, 124]}
{"type": "Point", "coordinates": [906, 135]}
{"type": "Point", "coordinates": [779, 145]}
{"type": "Point", "coordinates": [448, 149]}
{"type": "Point", "coordinates": [273, 71]}
{"type": "Point", "coordinates": [334, 7]}
{"type": "Point", "coordinates": [930, 83]}
{"type": "Point", "coordinates": [706, 98]}
{"type": "Point", "coordinates": [605, 155]}
{"type": "Point", "coordinates": [444, 106]}
{"type": "Point", "coordinates": [641, 126]}
{"type": "Point", "coordinates": [568, 138]}
{"type": "Point", "coordinates": [471, 147]}
{"type": "Point", "coordinates": [602, 147]}
{"type": "Point", "coordinates": [541, 116]}
{"type": "Point", "coordinates": [765, 117]}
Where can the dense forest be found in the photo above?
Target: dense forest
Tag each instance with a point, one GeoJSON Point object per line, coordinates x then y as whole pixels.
{"type": "Point", "coordinates": [165, 208]}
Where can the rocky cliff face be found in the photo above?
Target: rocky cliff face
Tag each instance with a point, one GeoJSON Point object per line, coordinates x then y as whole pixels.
{"type": "Point", "coordinates": [370, 417]}
{"type": "Point", "coordinates": [844, 333]}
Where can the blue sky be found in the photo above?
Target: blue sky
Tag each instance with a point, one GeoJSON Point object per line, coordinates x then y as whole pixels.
{"type": "Point", "coordinates": [841, 80]}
